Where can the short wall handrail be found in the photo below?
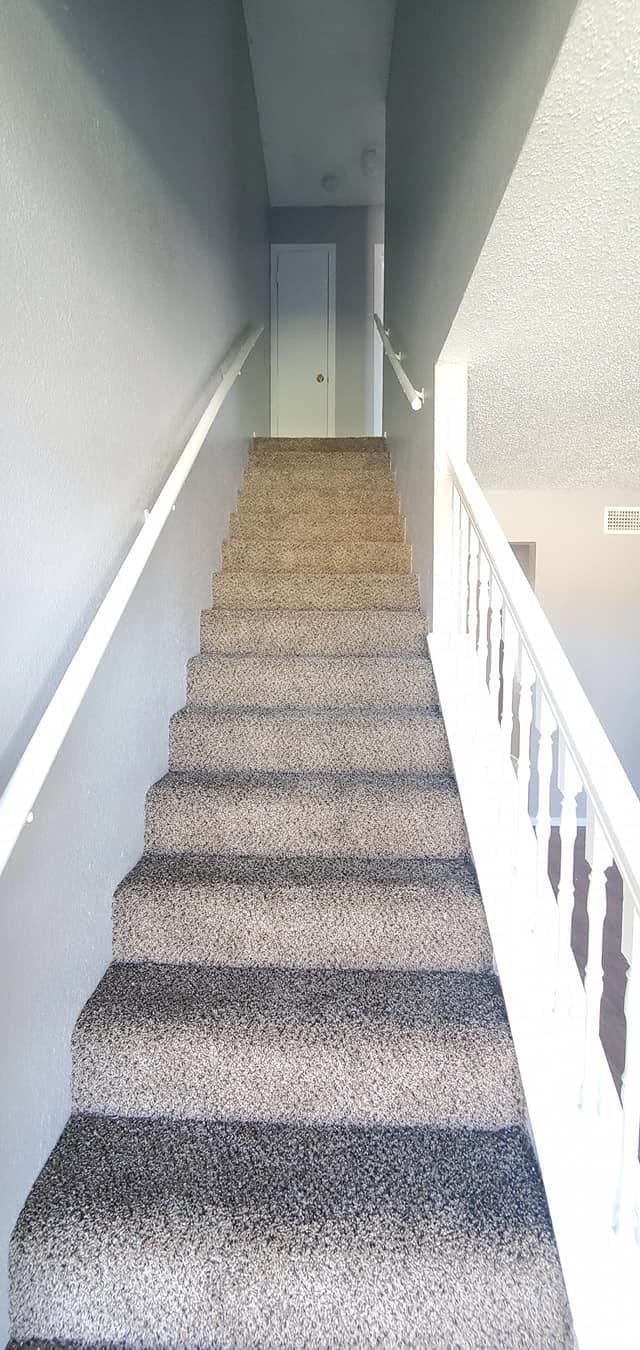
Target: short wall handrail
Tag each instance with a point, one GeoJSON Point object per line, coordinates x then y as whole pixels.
{"type": "Point", "coordinates": [21, 792]}
{"type": "Point", "coordinates": [607, 785]}
{"type": "Point", "coordinates": [415, 397]}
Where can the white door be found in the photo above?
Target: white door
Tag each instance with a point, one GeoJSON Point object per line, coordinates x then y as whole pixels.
{"type": "Point", "coordinates": [303, 340]}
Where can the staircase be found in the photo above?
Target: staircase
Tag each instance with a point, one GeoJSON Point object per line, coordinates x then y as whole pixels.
{"type": "Point", "coordinates": [297, 1114]}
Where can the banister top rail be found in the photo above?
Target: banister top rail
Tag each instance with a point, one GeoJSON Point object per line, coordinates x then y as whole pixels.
{"type": "Point", "coordinates": [600, 770]}
{"type": "Point", "coordinates": [414, 396]}
{"type": "Point", "coordinates": [19, 796]}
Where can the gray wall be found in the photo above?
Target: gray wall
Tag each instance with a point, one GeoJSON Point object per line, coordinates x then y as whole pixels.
{"type": "Point", "coordinates": [588, 583]}
{"type": "Point", "coordinates": [464, 83]}
{"type": "Point", "coordinates": [134, 250]}
{"type": "Point", "coordinates": [549, 322]}
{"type": "Point", "coordinates": [354, 231]}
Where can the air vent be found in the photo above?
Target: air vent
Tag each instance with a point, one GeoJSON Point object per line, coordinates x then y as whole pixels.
{"type": "Point", "coordinates": [622, 520]}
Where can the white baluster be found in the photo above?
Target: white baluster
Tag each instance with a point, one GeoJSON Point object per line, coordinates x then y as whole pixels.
{"type": "Point", "coordinates": [495, 637]}
{"type": "Point", "coordinates": [454, 563]}
{"type": "Point", "coordinates": [626, 1215]}
{"type": "Point", "coordinates": [483, 613]}
{"type": "Point", "coordinates": [463, 565]}
{"type": "Point", "coordinates": [472, 620]}
{"type": "Point", "coordinates": [508, 675]}
{"type": "Point", "coordinates": [569, 785]}
{"type": "Point", "coordinates": [525, 680]}
{"type": "Point", "coordinates": [546, 727]}
{"type": "Point", "coordinates": [599, 858]}
{"type": "Point", "coordinates": [464, 537]}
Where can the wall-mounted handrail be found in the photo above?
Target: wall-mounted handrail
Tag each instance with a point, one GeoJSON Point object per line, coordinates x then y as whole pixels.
{"type": "Point", "coordinates": [602, 775]}
{"type": "Point", "coordinates": [415, 397]}
{"type": "Point", "coordinates": [21, 792]}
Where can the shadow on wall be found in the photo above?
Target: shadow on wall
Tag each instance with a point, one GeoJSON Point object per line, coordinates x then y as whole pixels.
{"type": "Point", "coordinates": [111, 39]}
{"type": "Point", "coordinates": [465, 82]}
{"type": "Point", "coordinates": [135, 251]}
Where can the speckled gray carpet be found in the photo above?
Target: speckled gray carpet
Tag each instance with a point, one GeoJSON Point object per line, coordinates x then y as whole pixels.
{"type": "Point", "coordinates": [298, 1119]}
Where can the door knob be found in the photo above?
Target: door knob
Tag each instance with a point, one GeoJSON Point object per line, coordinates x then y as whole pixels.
{"type": "Point", "coordinates": [320, 379]}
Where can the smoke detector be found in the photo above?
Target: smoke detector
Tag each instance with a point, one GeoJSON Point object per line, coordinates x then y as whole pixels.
{"type": "Point", "coordinates": [330, 182]}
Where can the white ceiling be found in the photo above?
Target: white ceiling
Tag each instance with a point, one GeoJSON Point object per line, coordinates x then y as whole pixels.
{"type": "Point", "coordinates": [320, 69]}
{"type": "Point", "coordinates": [550, 323]}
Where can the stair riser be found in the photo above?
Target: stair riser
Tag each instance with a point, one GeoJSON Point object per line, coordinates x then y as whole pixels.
{"type": "Point", "coordinates": [360, 499]}
{"type": "Point", "coordinates": [364, 633]}
{"type": "Point", "coordinates": [302, 743]}
{"type": "Point", "coordinates": [255, 682]}
{"type": "Point", "coordinates": [319, 461]}
{"type": "Point", "coordinates": [319, 444]}
{"type": "Point", "coordinates": [337, 529]}
{"type": "Point", "coordinates": [338, 927]}
{"type": "Point", "coordinates": [304, 1046]}
{"type": "Point", "coordinates": [298, 479]}
{"type": "Point", "coordinates": [358, 819]}
{"type": "Point", "coordinates": [276, 555]}
{"type": "Point", "coordinates": [255, 591]}
{"type": "Point", "coordinates": [196, 1235]}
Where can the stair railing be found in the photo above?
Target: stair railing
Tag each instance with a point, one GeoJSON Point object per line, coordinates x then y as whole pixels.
{"type": "Point", "coordinates": [415, 397]}
{"type": "Point", "coordinates": [535, 768]}
{"type": "Point", "coordinates": [19, 797]}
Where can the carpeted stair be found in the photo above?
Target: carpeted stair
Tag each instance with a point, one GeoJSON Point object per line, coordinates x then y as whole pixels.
{"type": "Point", "coordinates": [298, 1120]}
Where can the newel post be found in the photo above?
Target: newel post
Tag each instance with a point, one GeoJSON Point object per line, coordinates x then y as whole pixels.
{"type": "Point", "coordinates": [449, 522]}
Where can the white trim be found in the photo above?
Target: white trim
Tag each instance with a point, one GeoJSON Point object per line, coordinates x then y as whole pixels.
{"type": "Point", "coordinates": [276, 249]}
{"type": "Point", "coordinates": [491, 629]}
{"type": "Point", "coordinates": [600, 770]}
{"type": "Point", "coordinates": [21, 792]}
{"type": "Point", "coordinates": [415, 397]}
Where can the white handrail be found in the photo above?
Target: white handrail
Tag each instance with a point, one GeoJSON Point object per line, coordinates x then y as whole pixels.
{"type": "Point", "coordinates": [21, 792]}
{"type": "Point", "coordinates": [602, 774]}
{"type": "Point", "coordinates": [415, 397]}
{"type": "Point", "coordinates": [520, 725]}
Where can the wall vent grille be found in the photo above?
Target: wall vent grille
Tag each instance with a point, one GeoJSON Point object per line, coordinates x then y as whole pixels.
{"type": "Point", "coordinates": [622, 520]}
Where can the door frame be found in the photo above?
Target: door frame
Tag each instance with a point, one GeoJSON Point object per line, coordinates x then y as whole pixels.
{"type": "Point", "coordinates": [276, 249]}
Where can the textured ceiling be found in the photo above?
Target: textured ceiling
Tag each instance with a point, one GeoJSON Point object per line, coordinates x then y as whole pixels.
{"type": "Point", "coordinates": [320, 69]}
{"type": "Point", "coordinates": [550, 323]}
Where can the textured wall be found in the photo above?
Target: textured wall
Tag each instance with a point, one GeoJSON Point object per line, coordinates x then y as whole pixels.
{"type": "Point", "coordinates": [464, 84]}
{"type": "Point", "coordinates": [134, 250]}
{"type": "Point", "coordinates": [353, 230]}
{"type": "Point", "coordinates": [549, 323]}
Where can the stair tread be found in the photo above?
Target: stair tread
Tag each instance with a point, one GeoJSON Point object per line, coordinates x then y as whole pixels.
{"type": "Point", "coordinates": [256, 590]}
{"type": "Point", "coordinates": [298, 912]}
{"type": "Point", "coordinates": [339, 632]}
{"type": "Point", "coordinates": [274, 524]}
{"type": "Point", "coordinates": [192, 1233]}
{"type": "Point", "coordinates": [365, 1046]}
{"type": "Point", "coordinates": [308, 681]}
{"type": "Point", "coordinates": [307, 738]}
{"type": "Point", "coordinates": [361, 813]}
{"type": "Point", "coordinates": [316, 558]}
